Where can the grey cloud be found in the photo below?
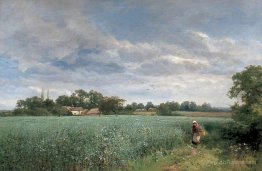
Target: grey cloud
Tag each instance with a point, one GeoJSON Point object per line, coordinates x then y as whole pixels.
{"type": "Point", "coordinates": [36, 40]}
{"type": "Point", "coordinates": [57, 45]}
{"type": "Point", "coordinates": [164, 67]}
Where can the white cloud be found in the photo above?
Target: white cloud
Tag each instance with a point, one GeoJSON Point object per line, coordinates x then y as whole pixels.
{"type": "Point", "coordinates": [182, 61]}
{"type": "Point", "coordinates": [37, 89]}
{"type": "Point", "coordinates": [64, 50]}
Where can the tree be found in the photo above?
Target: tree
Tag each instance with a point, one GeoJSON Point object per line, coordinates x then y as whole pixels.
{"type": "Point", "coordinates": [134, 105]}
{"type": "Point", "coordinates": [247, 111]}
{"type": "Point", "coordinates": [247, 85]}
{"type": "Point", "coordinates": [36, 106]}
{"type": "Point", "coordinates": [129, 108]}
{"type": "Point", "coordinates": [64, 100]}
{"type": "Point", "coordinates": [30, 103]}
{"type": "Point", "coordinates": [94, 99]}
{"type": "Point", "coordinates": [164, 109]}
{"type": "Point", "coordinates": [206, 107]}
{"type": "Point", "coordinates": [149, 105]}
{"type": "Point", "coordinates": [48, 103]}
{"type": "Point", "coordinates": [140, 106]}
{"type": "Point", "coordinates": [185, 106]}
{"type": "Point", "coordinates": [193, 106]}
{"type": "Point", "coordinates": [80, 98]}
{"type": "Point", "coordinates": [174, 106]}
{"type": "Point", "coordinates": [111, 105]}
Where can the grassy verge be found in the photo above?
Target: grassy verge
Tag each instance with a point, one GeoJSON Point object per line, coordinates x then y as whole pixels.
{"type": "Point", "coordinates": [205, 160]}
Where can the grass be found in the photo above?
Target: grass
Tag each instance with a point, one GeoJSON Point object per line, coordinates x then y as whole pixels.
{"type": "Point", "coordinates": [191, 114]}
{"type": "Point", "coordinates": [71, 143]}
{"type": "Point", "coordinates": [145, 113]}
{"type": "Point", "coordinates": [205, 114]}
{"type": "Point", "coordinates": [206, 159]}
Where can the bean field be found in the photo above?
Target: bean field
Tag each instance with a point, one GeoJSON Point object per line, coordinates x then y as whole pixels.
{"type": "Point", "coordinates": [91, 143]}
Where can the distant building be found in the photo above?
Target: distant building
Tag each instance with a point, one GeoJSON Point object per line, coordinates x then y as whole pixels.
{"type": "Point", "coordinates": [75, 110]}
{"type": "Point", "coordinates": [140, 110]}
{"type": "Point", "coordinates": [93, 111]}
{"type": "Point", "coordinates": [152, 109]}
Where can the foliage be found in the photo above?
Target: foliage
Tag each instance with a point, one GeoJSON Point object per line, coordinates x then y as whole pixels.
{"type": "Point", "coordinates": [134, 106]}
{"type": "Point", "coordinates": [64, 100]}
{"type": "Point", "coordinates": [111, 105]}
{"type": "Point", "coordinates": [35, 106]}
{"type": "Point", "coordinates": [129, 108]}
{"type": "Point", "coordinates": [247, 89]}
{"type": "Point", "coordinates": [6, 113]}
{"type": "Point", "coordinates": [140, 106]}
{"type": "Point", "coordinates": [188, 106]}
{"type": "Point", "coordinates": [38, 106]}
{"type": "Point", "coordinates": [149, 105]}
{"type": "Point", "coordinates": [81, 98]}
{"type": "Point", "coordinates": [174, 106]}
{"type": "Point", "coordinates": [164, 110]}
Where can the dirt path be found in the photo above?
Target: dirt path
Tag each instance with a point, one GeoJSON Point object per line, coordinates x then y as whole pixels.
{"type": "Point", "coordinates": [175, 167]}
{"type": "Point", "coordinates": [171, 168]}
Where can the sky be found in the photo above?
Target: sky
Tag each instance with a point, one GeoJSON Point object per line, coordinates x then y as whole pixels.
{"type": "Point", "coordinates": [140, 50]}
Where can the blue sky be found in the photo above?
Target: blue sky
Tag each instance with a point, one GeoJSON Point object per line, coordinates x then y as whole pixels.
{"type": "Point", "coordinates": [150, 50]}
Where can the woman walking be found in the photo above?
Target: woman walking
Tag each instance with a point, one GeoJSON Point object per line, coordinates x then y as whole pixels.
{"type": "Point", "coordinates": [197, 132]}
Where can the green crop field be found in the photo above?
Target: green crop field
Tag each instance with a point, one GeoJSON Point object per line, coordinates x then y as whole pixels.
{"type": "Point", "coordinates": [96, 143]}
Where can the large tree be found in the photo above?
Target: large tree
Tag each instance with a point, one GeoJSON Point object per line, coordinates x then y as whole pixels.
{"type": "Point", "coordinates": [149, 105]}
{"type": "Point", "coordinates": [64, 100]}
{"type": "Point", "coordinates": [247, 111]}
{"type": "Point", "coordinates": [94, 99]}
{"type": "Point", "coordinates": [174, 106]}
{"type": "Point", "coordinates": [111, 105]}
{"type": "Point", "coordinates": [185, 106]}
{"type": "Point", "coordinates": [37, 106]}
{"type": "Point", "coordinates": [164, 109]}
{"type": "Point", "coordinates": [80, 98]}
{"type": "Point", "coordinates": [140, 106]}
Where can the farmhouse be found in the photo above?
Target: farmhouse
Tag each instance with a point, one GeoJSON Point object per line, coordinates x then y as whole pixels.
{"type": "Point", "coordinates": [93, 111]}
{"type": "Point", "coordinates": [152, 109]}
{"type": "Point", "coordinates": [75, 110]}
{"type": "Point", "coordinates": [80, 111]}
{"type": "Point", "coordinates": [140, 110]}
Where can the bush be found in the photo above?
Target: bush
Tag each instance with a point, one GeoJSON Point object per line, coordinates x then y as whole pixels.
{"type": "Point", "coordinates": [164, 110]}
{"type": "Point", "coordinates": [247, 112]}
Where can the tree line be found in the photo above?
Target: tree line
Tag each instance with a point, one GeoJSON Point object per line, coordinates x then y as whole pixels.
{"type": "Point", "coordinates": [40, 106]}
{"type": "Point", "coordinates": [169, 108]}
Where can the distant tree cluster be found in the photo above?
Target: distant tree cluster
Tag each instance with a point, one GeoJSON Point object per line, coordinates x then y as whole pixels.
{"type": "Point", "coordinates": [38, 106]}
{"type": "Point", "coordinates": [81, 98]}
{"type": "Point", "coordinates": [168, 107]}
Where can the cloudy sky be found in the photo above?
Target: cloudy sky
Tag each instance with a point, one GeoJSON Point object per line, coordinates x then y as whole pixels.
{"type": "Point", "coordinates": [140, 50]}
